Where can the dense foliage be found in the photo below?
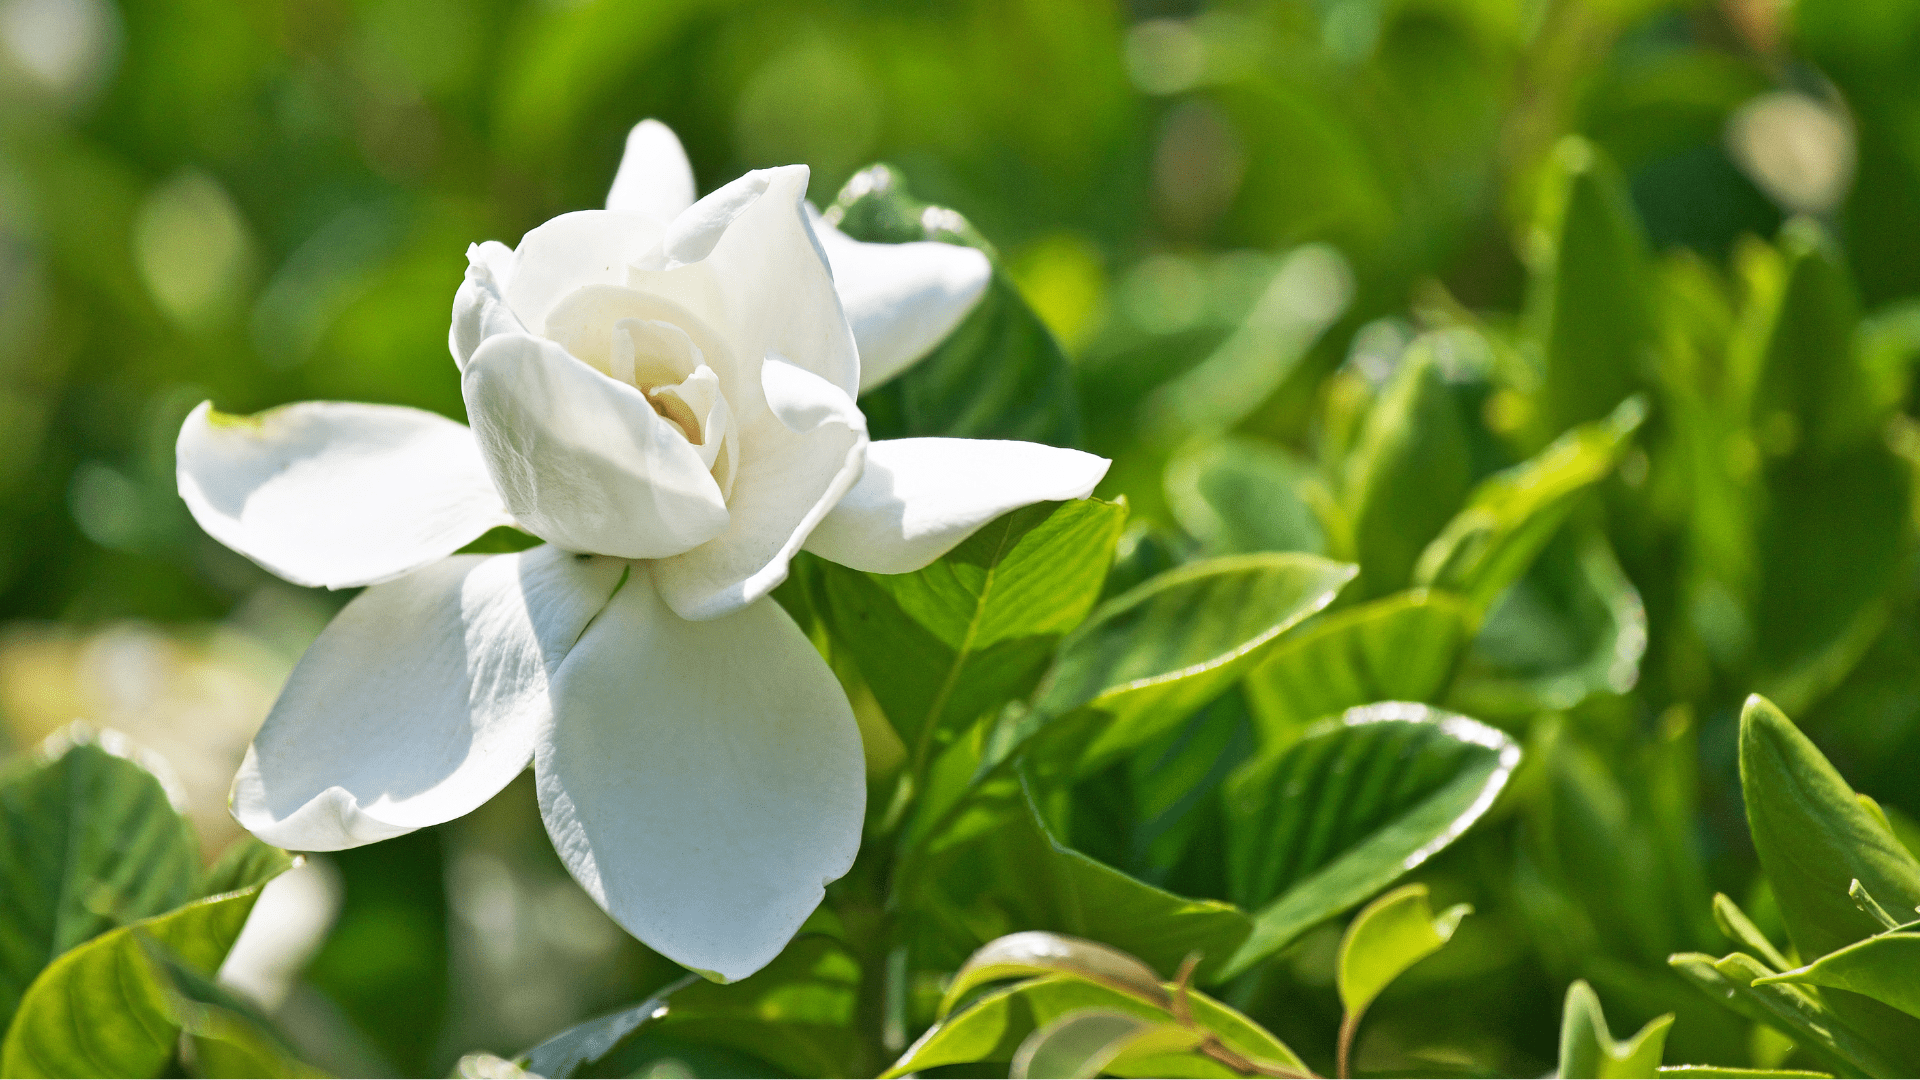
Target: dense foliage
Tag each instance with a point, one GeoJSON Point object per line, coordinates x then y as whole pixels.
{"type": "Point", "coordinates": [1497, 632]}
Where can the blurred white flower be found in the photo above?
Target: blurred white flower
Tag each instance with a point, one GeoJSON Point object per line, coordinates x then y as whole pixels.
{"type": "Point", "coordinates": [665, 393]}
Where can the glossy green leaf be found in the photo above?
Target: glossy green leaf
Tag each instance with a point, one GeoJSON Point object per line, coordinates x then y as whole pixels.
{"type": "Point", "coordinates": [1237, 495]}
{"type": "Point", "coordinates": [1316, 827]}
{"type": "Point", "coordinates": [1588, 309]}
{"type": "Point", "coordinates": [1402, 647]}
{"type": "Point", "coordinates": [1882, 967]}
{"type": "Point", "coordinates": [999, 375]}
{"type": "Point", "coordinates": [943, 645]}
{"type": "Point", "coordinates": [1803, 1016]}
{"type": "Point", "coordinates": [1512, 514]}
{"type": "Point", "coordinates": [992, 1028]}
{"type": "Point", "coordinates": [1589, 1050]}
{"type": "Point", "coordinates": [88, 842]}
{"type": "Point", "coordinates": [1814, 838]}
{"type": "Point", "coordinates": [1033, 953]}
{"type": "Point", "coordinates": [1091, 1042]}
{"type": "Point", "coordinates": [1152, 657]}
{"type": "Point", "coordinates": [584, 1045]}
{"type": "Point", "coordinates": [1018, 874]}
{"type": "Point", "coordinates": [1410, 471]}
{"type": "Point", "coordinates": [1390, 935]}
{"type": "Point", "coordinates": [101, 1010]}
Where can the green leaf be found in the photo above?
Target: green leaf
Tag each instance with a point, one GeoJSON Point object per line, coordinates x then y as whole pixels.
{"type": "Point", "coordinates": [1804, 1017]}
{"type": "Point", "coordinates": [993, 1027]}
{"type": "Point", "coordinates": [1091, 1042]}
{"type": "Point", "coordinates": [88, 842]}
{"type": "Point", "coordinates": [584, 1045]}
{"type": "Point", "coordinates": [999, 375]}
{"type": "Point", "coordinates": [943, 645]}
{"type": "Point", "coordinates": [1724, 1072]}
{"type": "Point", "coordinates": [1019, 875]}
{"type": "Point", "coordinates": [1881, 967]}
{"type": "Point", "coordinates": [1814, 838]}
{"type": "Point", "coordinates": [1316, 827]}
{"type": "Point", "coordinates": [1812, 391]}
{"type": "Point", "coordinates": [1150, 658]}
{"type": "Point", "coordinates": [1238, 495]}
{"type": "Point", "coordinates": [1514, 513]}
{"type": "Point", "coordinates": [1588, 1048]}
{"type": "Point", "coordinates": [101, 1009]}
{"type": "Point", "coordinates": [227, 1036]}
{"type": "Point", "coordinates": [1390, 935]}
{"type": "Point", "coordinates": [796, 1014]}
{"type": "Point", "coordinates": [1741, 930]}
{"type": "Point", "coordinates": [1572, 627]}
{"type": "Point", "coordinates": [1588, 308]}
{"type": "Point", "coordinates": [245, 863]}
{"type": "Point", "coordinates": [1410, 470]}
{"type": "Point", "coordinates": [1397, 648]}
{"type": "Point", "coordinates": [1033, 953]}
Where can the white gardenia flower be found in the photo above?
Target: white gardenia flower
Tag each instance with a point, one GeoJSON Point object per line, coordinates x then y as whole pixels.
{"type": "Point", "coordinates": [665, 394]}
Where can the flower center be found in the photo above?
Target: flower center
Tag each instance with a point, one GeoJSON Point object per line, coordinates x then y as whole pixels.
{"type": "Point", "coordinates": [662, 362]}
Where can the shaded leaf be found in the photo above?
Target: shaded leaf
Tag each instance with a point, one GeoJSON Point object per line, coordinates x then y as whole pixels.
{"type": "Point", "coordinates": [1239, 494]}
{"type": "Point", "coordinates": [100, 1009]}
{"type": "Point", "coordinates": [584, 1045]}
{"type": "Point", "coordinates": [999, 375]}
{"type": "Point", "coordinates": [1397, 648]}
{"type": "Point", "coordinates": [1804, 1017]}
{"type": "Point", "coordinates": [228, 1036]}
{"type": "Point", "coordinates": [88, 842]}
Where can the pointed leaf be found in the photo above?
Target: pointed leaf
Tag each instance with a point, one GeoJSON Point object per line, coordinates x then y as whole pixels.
{"type": "Point", "coordinates": [228, 1036]}
{"type": "Point", "coordinates": [1318, 826]}
{"type": "Point", "coordinates": [1881, 967]}
{"type": "Point", "coordinates": [1803, 1016]}
{"type": "Point", "coordinates": [1389, 936]}
{"type": "Point", "coordinates": [1033, 953]}
{"type": "Point", "coordinates": [1588, 1048]}
{"type": "Point", "coordinates": [943, 645]}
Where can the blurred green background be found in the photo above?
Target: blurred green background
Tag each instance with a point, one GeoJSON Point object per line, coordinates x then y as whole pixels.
{"type": "Point", "coordinates": [270, 201]}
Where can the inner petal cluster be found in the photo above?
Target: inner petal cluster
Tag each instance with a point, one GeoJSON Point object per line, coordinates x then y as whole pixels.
{"type": "Point", "coordinates": [660, 360]}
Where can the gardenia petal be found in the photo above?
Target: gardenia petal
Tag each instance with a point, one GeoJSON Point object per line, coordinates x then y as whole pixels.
{"type": "Point", "coordinates": [419, 701]}
{"type": "Point", "coordinates": [572, 251]}
{"type": "Point", "coordinates": [772, 278]}
{"type": "Point", "coordinates": [702, 780]}
{"type": "Point", "coordinates": [333, 493]}
{"type": "Point", "coordinates": [583, 460]}
{"type": "Point", "coordinates": [479, 306]}
{"type": "Point", "coordinates": [654, 177]}
{"type": "Point", "coordinates": [796, 460]}
{"type": "Point", "coordinates": [920, 497]}
{"type": "Point", "coordinates": [902, 299]}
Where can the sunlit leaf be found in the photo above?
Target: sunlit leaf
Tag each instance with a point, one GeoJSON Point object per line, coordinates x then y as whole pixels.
{"type": "Point", "coordinates": [1801, 1015]}
{"type": "Point", "coordinates": [228, 1037]}
{"type": "Point", "coordinates": [1390, 935]}
{"type": "Point", "coordinates": [1318, 826]}
{"type": "Point", "coordinates": [1881, 967]}
{"type": "Point", "coordinates": [1095, 1041]}
{"type": "Point", "coordinates": [1588, 1048]}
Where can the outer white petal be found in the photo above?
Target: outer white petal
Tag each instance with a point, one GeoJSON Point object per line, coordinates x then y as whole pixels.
{"type": "Point", "coordinates": [334, 493]}
{"type": "Point", "coordinates": [772, 276]}
{"type": "Point", "coordinates": [479, 306]}
{"type": "Point", "coordinates": [796, 460]}
{"type": "Point", "coordinates": [586, 247]}
{"type": "Point", "coordinates": [581, 459]}
{"type": "Point", "coordinates": [902, 299]}
{"type": "Point", "coordinates": [702, 780]}
{"type": "Point", "coordinates": [419, 701]}
{"type": "Point", "coordinates": [920, 497]}
{"type": "Point", "coordinates": [654, 177]}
